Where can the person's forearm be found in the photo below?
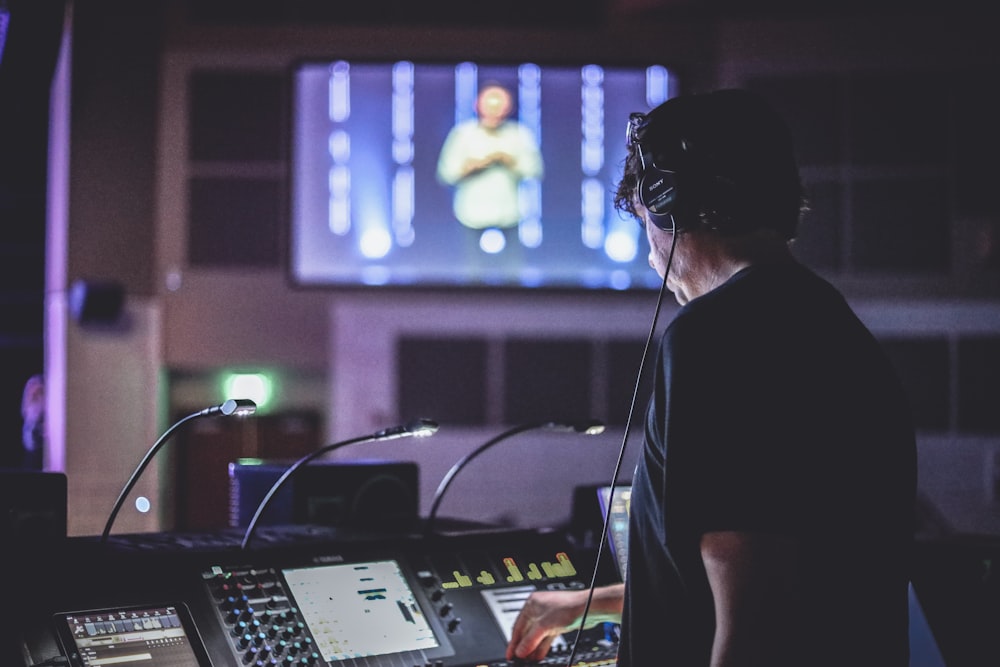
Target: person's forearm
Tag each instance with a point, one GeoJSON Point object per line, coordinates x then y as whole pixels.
{"type": "Point", "coordinates": [607, 604]}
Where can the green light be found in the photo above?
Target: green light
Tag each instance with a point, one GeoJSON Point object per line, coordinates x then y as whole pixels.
{"type": "Point", "coordinates": [250, 461]}
{"type": "Point", "coordinates": [257, 387]}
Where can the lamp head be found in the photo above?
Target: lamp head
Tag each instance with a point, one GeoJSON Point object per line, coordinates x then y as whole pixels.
{"type": "Point", "coordinates": [421, 428]}
{"type": "Point", "coordinates": [587, 426]}
{"type": "Point", "coordinates": [240, 407]}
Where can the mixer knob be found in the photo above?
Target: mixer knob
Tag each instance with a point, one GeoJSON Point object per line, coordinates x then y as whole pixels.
{"type": "Point", "coordinates": [445, 609]}
{"type": "Point", "coordinates": [234, 603]}
{"type": "Point", "coordinates": [277, 602]}
{"type": "Point", "coordinates": [437, 594]}
{"type": "Point", "coordinates": [453, 624]}
{"type": "Point", "coordinates": [222, 591]}
{"type": "Point", "coordinates": [218, 579]}
{"type": "Point", "coordinates": [252, 590]}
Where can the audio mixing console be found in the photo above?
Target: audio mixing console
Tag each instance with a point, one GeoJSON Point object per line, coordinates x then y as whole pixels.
{"type": "Point", "coordinates": [190, 601]}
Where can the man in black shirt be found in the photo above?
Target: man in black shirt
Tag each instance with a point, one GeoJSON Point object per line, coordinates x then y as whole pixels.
{"type": "Point", "coordinates": [772, 504]}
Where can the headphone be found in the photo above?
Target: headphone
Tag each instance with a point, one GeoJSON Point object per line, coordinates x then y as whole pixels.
{"type": "Point", "coordinates": [656, 188]}
{"type": "Point", "coordinates": [673, 196]}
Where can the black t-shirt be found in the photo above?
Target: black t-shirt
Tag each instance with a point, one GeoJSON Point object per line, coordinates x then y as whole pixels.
{"type": "Point", "coordinates": [774, 410]}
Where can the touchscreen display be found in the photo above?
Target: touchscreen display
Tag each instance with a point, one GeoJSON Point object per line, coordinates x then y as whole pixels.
{"type": "Point", "coordinates": [151, 636]}
{"type": "Point", "coordinates": [360, 609]}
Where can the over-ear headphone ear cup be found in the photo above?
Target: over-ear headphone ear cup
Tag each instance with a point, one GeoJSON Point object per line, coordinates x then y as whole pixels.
{"type": "Point", "coordinates": [694, 191]}
{"type": "Point", "coordinates": [664, 221]}
{"type": "Point", "coordinates": [658, 194]}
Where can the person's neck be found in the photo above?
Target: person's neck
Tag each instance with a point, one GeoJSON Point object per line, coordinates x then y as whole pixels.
{"type": "Point", "coordinates": [737, 255]}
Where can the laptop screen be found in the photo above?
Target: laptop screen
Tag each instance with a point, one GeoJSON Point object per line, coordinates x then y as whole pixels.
{"type": "Point", "coordinates": [615, 503]}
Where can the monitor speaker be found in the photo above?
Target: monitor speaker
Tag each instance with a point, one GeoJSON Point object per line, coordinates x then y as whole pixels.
{"type": "Point", "coordinates": [32, 505]}
{"type": "Point", "coordinates": [96, 302]}
{"type": "Point", "coordinates": [361, 495]}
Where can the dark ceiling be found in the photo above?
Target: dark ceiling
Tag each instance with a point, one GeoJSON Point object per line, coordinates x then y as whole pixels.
{"type": "Point", "coordinates": [550, 13]}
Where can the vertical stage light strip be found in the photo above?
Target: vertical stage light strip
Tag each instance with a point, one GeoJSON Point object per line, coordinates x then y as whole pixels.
{"type": "Point", "coordinates": [466, 90]}
{"type": "Point", "coordinates": [529, 95]}
{"type": "Point", "coordinates": [402, 153]}
{"type": "Point", "coordinates": [339, 146]}
{"type": "Point", "coordinates": [658, 84]}
{"type": "Point", "coordinates": [621, 238]}
{"type": "Point", "coordinates": [4, 22]}
{"type": "Point", "coordinates": [592, 155]}
{"type": "Point", "coordinates": [340, 183]}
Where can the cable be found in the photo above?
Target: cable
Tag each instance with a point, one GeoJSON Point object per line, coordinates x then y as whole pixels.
{"type": "Point", "coordinates": [587, 427]}
{"type": "Point", "coordinates": [621, 452]}
{"type": "Point", "coordinates": [419, 428]}
{"type": "Point", "coordinates": [239, 407]}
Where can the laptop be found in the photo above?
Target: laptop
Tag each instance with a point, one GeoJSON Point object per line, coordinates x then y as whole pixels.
{"type": "Point", "coordinates": [615, 503]}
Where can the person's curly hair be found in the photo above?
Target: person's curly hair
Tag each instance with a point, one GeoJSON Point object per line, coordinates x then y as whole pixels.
{"type": "Point", "coordinates": [734, 162]}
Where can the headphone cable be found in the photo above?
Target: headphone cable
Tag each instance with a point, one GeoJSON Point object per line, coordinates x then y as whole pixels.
{"type": "Point", "coordinates": [621, 451]}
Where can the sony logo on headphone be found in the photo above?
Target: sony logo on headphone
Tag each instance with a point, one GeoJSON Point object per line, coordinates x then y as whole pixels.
{"type": "Point", "coordinates": [655, 185]}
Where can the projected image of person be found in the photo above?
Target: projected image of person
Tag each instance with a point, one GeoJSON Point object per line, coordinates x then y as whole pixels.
{"type": "Point", "coordinates": [772, 508]}
{"type": "Point", "coordinates": [485, 159]}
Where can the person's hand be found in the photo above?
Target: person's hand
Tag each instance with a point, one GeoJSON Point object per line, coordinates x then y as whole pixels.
{"type": "Point", "coordinates": [545, 616]}
{"type": "Point", "coordinates": [501, 158]}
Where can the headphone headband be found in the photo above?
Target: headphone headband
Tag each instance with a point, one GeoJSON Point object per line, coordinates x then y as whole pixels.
{"type": "Point", "coordinates": [725, 154]}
